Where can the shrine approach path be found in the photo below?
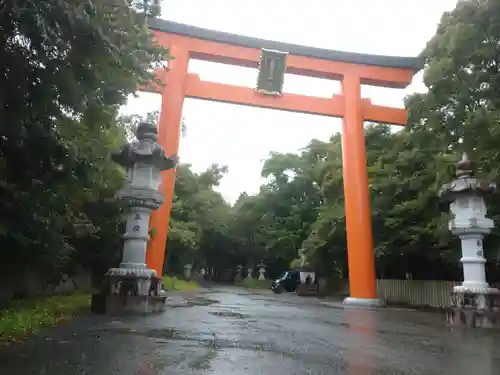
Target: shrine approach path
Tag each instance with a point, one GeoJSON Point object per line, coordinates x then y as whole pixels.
{"type": "Point", "coordinates": [235, 331]}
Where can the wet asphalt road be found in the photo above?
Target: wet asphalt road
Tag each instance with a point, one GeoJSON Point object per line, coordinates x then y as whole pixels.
{"type": "Point", "coordinates": [233, 331]}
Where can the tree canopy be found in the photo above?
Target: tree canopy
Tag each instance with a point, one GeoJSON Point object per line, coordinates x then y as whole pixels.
{"type": "Point", "coordinates": [67, 67]}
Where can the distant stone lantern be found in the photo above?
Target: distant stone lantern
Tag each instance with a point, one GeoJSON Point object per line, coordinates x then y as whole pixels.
{"type": "Point", "coordinates": [249, 273]}
{"type": "Point", "coordinates": [308, 284]}
{"type": "Point", "coordinates": [473, 302]}
{"type": "Point", "coordinates": [307, 274]}
{"type": "Point", "coordinates": [262, 271]}
{"type": "Point", "coordinates": [132, 286]}
{"type": "Point", "coordinates": [238, 276]}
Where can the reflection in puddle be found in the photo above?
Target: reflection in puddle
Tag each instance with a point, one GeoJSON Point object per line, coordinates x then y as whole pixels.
{"type": "Point", "coordinates": [200, 301]}
{"type": "Point", "coordinates": [459, 352]}
{"type": "Point", "coordinates": [479, 359]}
{"type": "Point", "coordinates": [361, 324]}
{"type": "Point", "coordinates": [148, 368]}
{"type": "Point", "coordinates": [161, 333]}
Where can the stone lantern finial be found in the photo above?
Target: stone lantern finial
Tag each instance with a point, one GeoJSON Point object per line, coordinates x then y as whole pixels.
{"type": "Point", "coordinates": [465, 167]}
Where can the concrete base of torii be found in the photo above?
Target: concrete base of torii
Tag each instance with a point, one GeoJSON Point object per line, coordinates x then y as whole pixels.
{"type": "Point", "coordinates": [364, 302]}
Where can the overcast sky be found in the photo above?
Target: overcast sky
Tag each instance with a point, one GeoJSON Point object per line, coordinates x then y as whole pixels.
{"type": "Point", "coordinates": [242, 137]}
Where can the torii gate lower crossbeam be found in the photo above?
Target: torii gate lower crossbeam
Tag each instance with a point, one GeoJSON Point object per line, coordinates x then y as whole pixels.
{"type": "Point", "coordinates": [353, 70]}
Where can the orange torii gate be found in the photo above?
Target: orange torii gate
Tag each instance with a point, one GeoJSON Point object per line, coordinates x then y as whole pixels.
{"type": "Point", "coordinates": [273, 59]}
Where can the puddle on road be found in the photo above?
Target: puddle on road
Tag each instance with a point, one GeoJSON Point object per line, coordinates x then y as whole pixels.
{"type": "Point", "coordinates": [200, 301]}
{"type": "Point", "coordinates": [200, 347]}
{"type": "Point", "coordinates": [190, 302]}
{"type": "Point", "coordinates": [228, 314]}
{"type": "Point", "coordinates": [159, 333]}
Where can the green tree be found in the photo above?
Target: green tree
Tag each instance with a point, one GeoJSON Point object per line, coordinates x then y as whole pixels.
{"type": "Point", "coordinates": [460, 111]}
{"type": "Point", "coordinates": [198, 231]}
{"type": "Point", "coordinates": [67, 68]}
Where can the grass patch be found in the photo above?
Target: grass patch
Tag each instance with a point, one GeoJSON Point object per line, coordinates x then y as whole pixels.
{"type": "Point", "coordinates": [173, 283]}
{"type": "Point", "coordinates": [255, 284]}
{"type": "Point", "coordinates": [24, 318]}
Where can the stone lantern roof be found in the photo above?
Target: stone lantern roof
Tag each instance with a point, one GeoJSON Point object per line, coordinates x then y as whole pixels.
{"type": "Point", "coordinates": [465, 183]}
{"type": "Point", "coordinates": [306, 267]}
{"type": "Point", "coordinates": [145, 150]}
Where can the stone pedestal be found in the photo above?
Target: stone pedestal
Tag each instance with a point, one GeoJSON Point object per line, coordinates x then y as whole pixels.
{"type": "Point", "coordinates": [474, 303]}
{"type": "Point", "coordinates": [138, 293]}
{"type": "Point", "coordinates": [474, 308]}
{"type": "Point", "coordinates": [307, 290]}
{"type": "Point", "coordinates": [130, 291]}
{"type": "Point", "coordinates": [132, 287]}
{"type": "Point", "coordinates": [119, 305]}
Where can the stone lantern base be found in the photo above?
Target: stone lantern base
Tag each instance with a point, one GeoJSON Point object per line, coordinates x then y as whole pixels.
{"type": "Point", "coordinates": [474, 307]}
{"type": "Point", "coordinates": [307, 290]}
{"type": "Point", "coordinates": [135, 291]}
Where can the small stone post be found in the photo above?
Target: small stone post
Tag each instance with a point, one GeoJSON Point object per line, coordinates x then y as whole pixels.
{"type": "Point", "coordinates": [132, 286]}
{"type": "Point", "coordinates": [473, 302]}
{"type": "Point", "coordinates": [262, 271]}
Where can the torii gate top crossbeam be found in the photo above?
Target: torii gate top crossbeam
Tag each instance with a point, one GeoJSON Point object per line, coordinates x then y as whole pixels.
{"type": "Point", "coordinates": [215, 46]}
{"type": "Point", "coordinates": [315, 56]}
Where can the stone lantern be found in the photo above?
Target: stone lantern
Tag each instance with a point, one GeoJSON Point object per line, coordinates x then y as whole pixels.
{"type": "Point", "coordinates": [307, 274]}
{"type": "Point", "coordinates": [238, 276]}
{"type": "Point", "coordinates": [132, 286]}
{"type": "Point", "coordinates": [308, 284]}
{"type": "Point", "coordinates": [473, 302]}
{"type": "Point", "coordinates": [262, 271]}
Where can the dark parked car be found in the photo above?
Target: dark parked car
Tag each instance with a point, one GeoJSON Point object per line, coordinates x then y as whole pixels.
{"type": "Point", "coordinates": [288, 281]}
